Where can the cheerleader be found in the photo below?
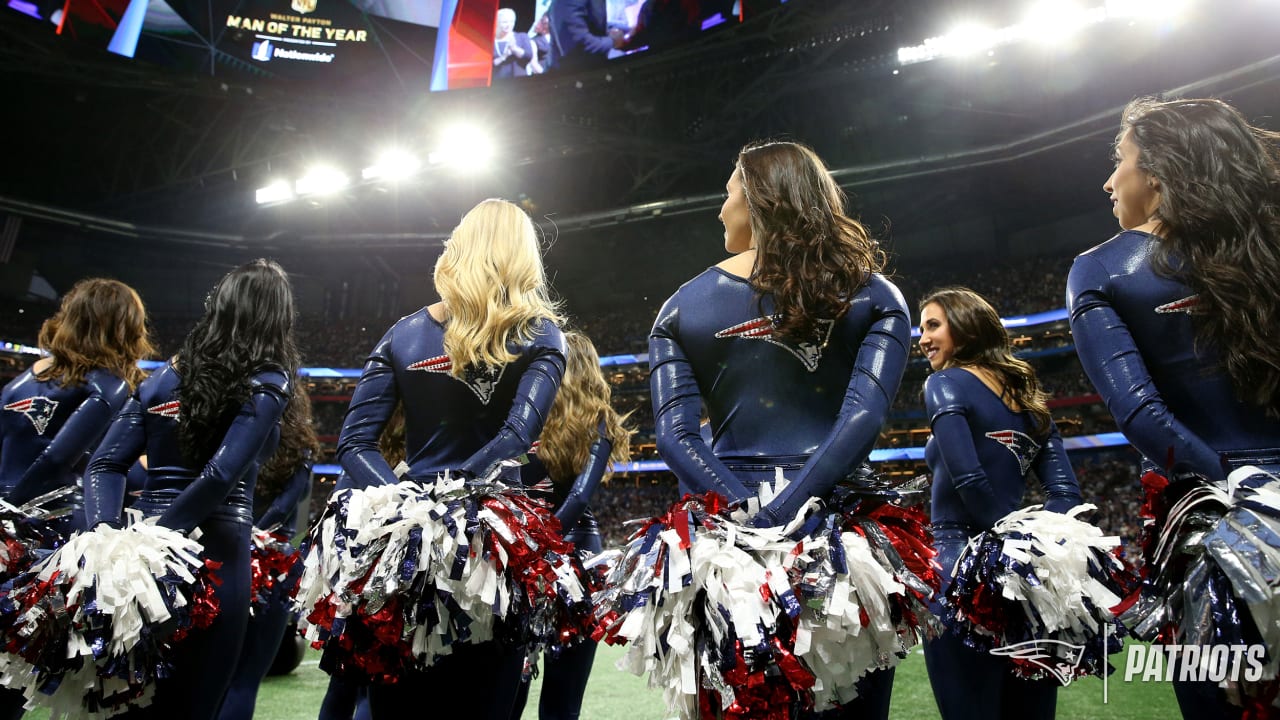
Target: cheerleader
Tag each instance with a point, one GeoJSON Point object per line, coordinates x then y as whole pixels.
{"type": "Point", "coordinates": [795, 345]}
{"type": "Point", "coordinates": [477, 373]}
{"type": "Point", "coordinates": [1172, 317]}
{"type": "Point", "coordinates": [206, 421]}
{"type": "Point", "coordinates": [990, 426]}
{"type": "Point", "coordinates": [56, 412]}
{"type": "Point", "coordinates": [283, 482]}
{"type": "Point", "coordinates": [584, 434]}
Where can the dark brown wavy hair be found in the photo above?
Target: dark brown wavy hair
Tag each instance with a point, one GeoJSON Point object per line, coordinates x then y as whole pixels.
{"type": "Point", "coordinates": [1219, 213]}
{"type": "Point", "coordinates": [810, 257]}
{"type": "Point", "coordinates": [583, 399]}
{"type": "Point", "coordinates": [298, 445]}
{"type": "Point", "coordinates": [247, 327]}
{"type": "Point", "coordinates": [101, 324]}
{"type": "Point", "coordinates": [981, 341]}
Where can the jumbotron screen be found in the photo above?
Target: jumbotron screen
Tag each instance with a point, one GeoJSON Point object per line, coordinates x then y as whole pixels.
{"type": "Point", "coordinates": [436, 44]}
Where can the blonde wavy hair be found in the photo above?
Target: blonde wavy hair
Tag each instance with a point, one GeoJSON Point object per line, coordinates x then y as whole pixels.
{"type": "Point", "coordinates": [491, 280]}
{"type": "Point", "coordinates": [584, 398]}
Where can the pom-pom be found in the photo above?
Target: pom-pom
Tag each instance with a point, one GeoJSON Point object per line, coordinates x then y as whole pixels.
{"type": "Point", "coordinates": [1045, 578]}
{"type": "Point", "coordinates": [398, 574]}
{"type": "Point", "coordinates": [274, 569]}
{"type": "Point", "coordinates": [743, 622]}
{"type": "Point", "coordinates": [1212, 574]}
{"type": "Point", "coordinates": [94, 622]}
{"type": "Point", "coordinates": [27, 533]}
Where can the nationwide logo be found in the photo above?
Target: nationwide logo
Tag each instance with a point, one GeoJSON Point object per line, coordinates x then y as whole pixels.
{"type": "Point", "coordinates": [38, 409]}
{"type": "Point", "coordinates": [1185, 305]}
{"type": "Point", "coordinates": [167, 410]}
{"type": "Point", "coordinates": [482, 380]}
{"type": "Point", "coordinates": [262, 51]}
{"type": "Point", "coordinates": [808, 352]}
{"type": "Point", "coordinates": [303, 6]}
{"type": "Point", "coordinates": [1058, 657]}
{"type": "Point", "coordinates": [1022, 446]}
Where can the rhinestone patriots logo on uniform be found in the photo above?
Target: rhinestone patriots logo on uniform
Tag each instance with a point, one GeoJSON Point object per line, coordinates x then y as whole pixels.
{"type": "Point", "coordinates": [1184, 305]}
{"type": "Point", "coordinates": [482, 379]}
{"type": "Point", "coordinates": [38, 409]}
{"type": "Point", "coordinates": [1021, 445]}
{"type": "Point", "coordinates": [808, 352]}
{"type": "Point", "coordinates": [169, 409]}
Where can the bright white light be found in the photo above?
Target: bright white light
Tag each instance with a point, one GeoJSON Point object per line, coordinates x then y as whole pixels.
{"type": "Point", "coordinates": [968, 39]}
{"type": "Point", "coordinates": [277, 191]}
{"type": "Point", "coordinates": [1053, 21]}
{"type": "Point", "coordinates": [393, 165]}
{"type": "Point", "coordinates": [464, 147]}
{"type": "Point", "coordinates": [321, 180]}
{"type": "Point", "coordinates": [1146, 9]}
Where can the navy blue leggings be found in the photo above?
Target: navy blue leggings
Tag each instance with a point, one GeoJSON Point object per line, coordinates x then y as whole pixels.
{"type": "Point", "coordinates": [261, 644]}
{"type": "Point", "coordinates": [564, 683]}
{"type": "Point", "coordinates": [968, 684]}
{"type": "Point", "coordinates": [345, 700]}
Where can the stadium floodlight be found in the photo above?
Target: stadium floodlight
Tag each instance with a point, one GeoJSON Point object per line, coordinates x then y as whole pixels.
{"type": "Point", "coordinates": [968, 39]}
{"type": "Point", "coordinates": [1054, 21]}
{"type": "Point", "coordinates": [464, 147]}
{"type": "Point", "coordinates": [321, 180]}
{"type": "Point", "coordinates": [1146, 9]}
{"type": "Point", "coordinates": [394, 164]}
{"type": "Point", "coordinates": [277, 191]}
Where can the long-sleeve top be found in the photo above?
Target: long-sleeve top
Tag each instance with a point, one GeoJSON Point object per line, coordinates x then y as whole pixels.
{"type": "Point", "coordinates": [281, 511]}
{"type": "Point", "coordinates": [47, 431]}
{"type": "Point", "coordinates": [189, 493]}
{"type": "Point", "coordinates": [467, 424]}
{"type": "Point", "coordinates": [1133, 331]}
{"type": "Point", "coordinates": [815, 406]}
{"type": "Point", "coordinates": [981, 451]}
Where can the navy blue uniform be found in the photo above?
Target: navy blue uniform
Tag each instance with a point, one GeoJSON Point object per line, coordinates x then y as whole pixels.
{"type": "Point", "coordinates": [1172, 399]}
{"type": "Point", "coordinates": [47, 432]}
{"type": "Point", "coordinates": [267, 625]}
{"type": "Point", "coordinates": [980, 454]}
{"type": "Point", "coordinates": [812, 407]}
{"type": "Point", "coordinates": [216, 497]}
{"type": "Point", "coordinates": [467, 424]}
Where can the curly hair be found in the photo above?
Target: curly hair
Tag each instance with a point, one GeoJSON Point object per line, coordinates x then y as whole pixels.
{"type": "Point", "coordinates": [582, 401]}
{"type": "Point", "coordinates": [810, 257]}
{"type": "Point", "coordinates": [981, 341]}
{"type": "Point", "coordinates": [298, 446]}
{"type": "Point", "coordinates": [247, 327]}
{"type": "Point", "coordinates": [1219, 215]}
{"type": "Point", "coordinates": [100, 324]}
{"type": "Point", "coordinates": [491, 280]}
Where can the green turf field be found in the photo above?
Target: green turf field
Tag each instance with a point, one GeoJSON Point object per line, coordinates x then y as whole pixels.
{"type": "Point", "coordinates": [614, 695]}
